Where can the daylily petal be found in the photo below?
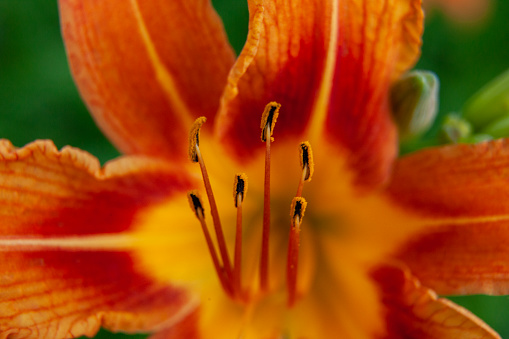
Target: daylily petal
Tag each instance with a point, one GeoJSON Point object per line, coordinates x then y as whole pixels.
{"type": "Point", "coordinates": [462, 259]}
{"type": "Point", "coordinates": [328, 63]}
{"type": "Point", "coordinates": [378, 40]}
{"type": "Point", "coordinates": [68, 261]}
{"type": "Point", "coordinates": [283, 61]}
{"type": "Point", "coordinates": [65, 294]}
{"type": "Point", "coordinates": [43, 191]}
{"type": "Point", "coordinates": [415, 312]}
{"type": "Point", "coordinates": [140, 67]}
{"type": "Point", "coordinates": [460, 192]}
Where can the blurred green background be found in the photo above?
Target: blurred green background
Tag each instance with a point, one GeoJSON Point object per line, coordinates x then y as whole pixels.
{"type": "Point", "coordinates": [38, 99]}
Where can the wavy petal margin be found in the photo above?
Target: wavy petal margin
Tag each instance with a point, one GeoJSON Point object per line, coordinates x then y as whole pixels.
{"type": "Point", "coordinates": [461, 194]}
{"type": "Point", "coordinates": [146, 69]}
{"type": "Point", "coordinates": [415, 312]}
{"type": "Point", "coordinates": [66, 262]}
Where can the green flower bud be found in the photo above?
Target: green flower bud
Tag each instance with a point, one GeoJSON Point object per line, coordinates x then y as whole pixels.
{"type": "Point", "coordinates": [414, 102]}
{"type": "Point", "coordinates": [455, 129]}
{"type": "Point", "coordinates": [488, 105]}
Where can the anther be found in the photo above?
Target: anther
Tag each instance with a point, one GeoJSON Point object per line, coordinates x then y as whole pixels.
{"type": "Point", "coordinates": [194, 138]}
{"type": "Point", "coordinates": [195, 156]}
{"type": "Point", "coordinates": [269, 117]}
{"type": "Point", "coordinates": [197, 207]}
{"type": "Point", "coordinates": [297, 210]}
{"type": "Point", "coordinates": [195, 203]}
{"type": "Point", "coordinates": [268, 122]}
{"type": "Point", "coordinates": [239, 192]}
{"type": "Point", "coordinates": [307, 165]}
{"type": "Point", "coordinates": [306, 160]}
{"type": "Point", "coordinates": [239, 188]}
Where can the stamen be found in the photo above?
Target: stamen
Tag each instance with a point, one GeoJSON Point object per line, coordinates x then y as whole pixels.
{"type": "Point", "coordinates": [268, 122]}
{"type": "Point", "coordinates": [307, 165]}
{"type": "Point", "coordinates": [297, 210]}
{"type": "Point", "coordinates": [197, 207]}
{"type": "Point", "coordinates": [269, 117]}
{"type": "Point", "coordinates": [195, 156]}
{"type": "Point", "coordinates": [239, 191]}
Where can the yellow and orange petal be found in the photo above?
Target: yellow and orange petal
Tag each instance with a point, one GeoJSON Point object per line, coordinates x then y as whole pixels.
{"type": "Point", "coordinates": [377, 42]}
{"type": "Point", "coordinates": [146, 69]}
{"type": "Point", "coordinates": [283, 60]}
{"type": "Point", "coordinates": [460, 194]}
{"type": "Point", "coordinates": [68, 259]}
{"type": "Point", "coordinates": [331, 72]}
{"type": "Point", "coordinates": [413, 311]}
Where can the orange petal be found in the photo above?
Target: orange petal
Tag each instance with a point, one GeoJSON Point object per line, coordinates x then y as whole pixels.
{"type": "Point", "coordinates": [459, 192]}
{"type": "Point", "coordinates": [415, 312]}
{"type": "Point", "coordinates": [283, 61]}
{"type": "Point", "coordinates": [45, 192]}
{"type": "Point", "coordinates": [378, 40]}
{"type": "Point", "coordinates": [146, 69]}
{"type": "Point", "coordinates": [329, 63]}
{"type": "Point", "coordinates": [461, 259]}
{"type": "Point", "coordinates": [66, 294]}
{"type": "Point", "coordinates": [460, 181]}
{"type": "Point", "coordinates": [67, 267]}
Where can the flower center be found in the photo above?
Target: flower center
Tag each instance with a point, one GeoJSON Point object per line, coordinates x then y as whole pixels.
{"type": "Point", "coordinates": [230, 275]}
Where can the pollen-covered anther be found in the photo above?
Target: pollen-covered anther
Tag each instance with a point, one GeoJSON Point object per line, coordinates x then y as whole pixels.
{"type": "Point", "coordinates": [269, 117]}
{"type": "Point", "coordinates": [239, 188]}
{"type": "Point", "coordinates": [307, 165]}
{"type": "Point", "coordinates": [297, 210]}
{"type": "Point", "coordinates": [306, 160]}
{"type": "Point", "coordinates": [194, 138]}
{"type": "Point", "coordinates": [196, 204]}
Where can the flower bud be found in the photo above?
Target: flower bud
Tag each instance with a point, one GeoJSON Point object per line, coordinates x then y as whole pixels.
{"type": "Point", "coordinates": [414, 103]}
{"type": "Point", "coordinates": [455, 129]}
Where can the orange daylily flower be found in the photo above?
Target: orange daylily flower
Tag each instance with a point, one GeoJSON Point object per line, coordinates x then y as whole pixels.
{"type": "Point", "coordinates": [124, 246]}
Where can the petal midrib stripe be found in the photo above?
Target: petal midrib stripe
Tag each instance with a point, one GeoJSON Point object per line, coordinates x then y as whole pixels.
{"type": "Point", "coordinates": [83, 243]}
{"type": "Point", "coordinates": [162, 74]}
